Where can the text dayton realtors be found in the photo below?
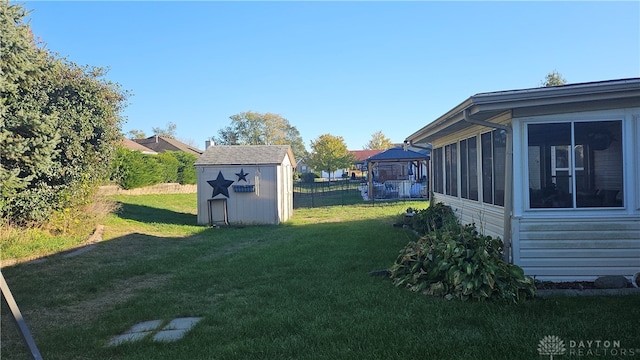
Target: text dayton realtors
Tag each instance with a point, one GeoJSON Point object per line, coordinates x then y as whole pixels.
{"type": "Point", "coordinates": [600, 348]}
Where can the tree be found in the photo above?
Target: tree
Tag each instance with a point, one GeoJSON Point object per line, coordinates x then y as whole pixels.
{"type": "Point", "coordinates": [59, 125]}
{"type": "Point", "coordinates": [252, 128]}
{"type": "Point", "coordinates": [553, 78]}
{"type": "Point", "coordinates": [378, 142]}
{"type": "Point", "coordinates": [329, 153]}
{"type": "Point", "coordinates": [168, 132]}
{"type": "Point", "coordinates": [137, 134]}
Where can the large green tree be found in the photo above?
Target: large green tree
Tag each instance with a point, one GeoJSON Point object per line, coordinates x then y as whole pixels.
{"type": "Point", "coordinates": [378, 142]}
{"type": "Point", "coordinates": [59, 123]}
{"type": "Point", "coordinates": [253, 128]}
{"type": "Point", "coordinates": [329, 153]}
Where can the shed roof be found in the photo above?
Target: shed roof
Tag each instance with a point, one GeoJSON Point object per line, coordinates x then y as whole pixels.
{"type": "Point", "coordinates": [245, 155]}
{"type": "Point", "coordinates": [397, 154]}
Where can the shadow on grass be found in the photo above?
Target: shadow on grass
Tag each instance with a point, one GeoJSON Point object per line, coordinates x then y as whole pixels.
{"type": "Point", "coordinates": [149, 214]}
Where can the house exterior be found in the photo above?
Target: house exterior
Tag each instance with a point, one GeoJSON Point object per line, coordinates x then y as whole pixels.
{"type": "Point", "coordinates": [134, 146]}
{"type": "Point", "coordinates": [161, 144]}
{"type": "Point", "coordinates": [245, 184]}
{"type": "Point", "coordinates": [361, 157]}
{"type": "Point", "coordinates": [552, 171]}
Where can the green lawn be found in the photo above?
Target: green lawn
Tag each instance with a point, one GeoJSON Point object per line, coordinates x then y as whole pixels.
{"type": "Point", "coordinates": [301, 290]}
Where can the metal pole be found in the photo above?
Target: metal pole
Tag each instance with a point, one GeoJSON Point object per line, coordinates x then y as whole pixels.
{"type": "Point", "coordinates": [17, 317]}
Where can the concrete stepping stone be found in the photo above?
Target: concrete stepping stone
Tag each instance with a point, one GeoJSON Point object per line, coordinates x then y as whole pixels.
{"type": "Point", "coordinates": [176, 329]}
{"type": "Point", "coordinates": [120, 339]}
{"type": "Point", "coordinates": [136, 332]}
{"type": "Point", "coordinates": [145, 326]}
{"type": "Point", "coordinates": [173, 331]}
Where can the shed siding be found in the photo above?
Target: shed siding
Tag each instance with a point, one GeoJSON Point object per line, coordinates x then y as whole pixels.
{"type": "Point", "coordinates": [578, 249]}
{"type": "Point", "coordinates": [246, 208]}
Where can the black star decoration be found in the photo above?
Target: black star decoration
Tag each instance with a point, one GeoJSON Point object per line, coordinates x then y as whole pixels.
{"type": "Point", "coordinates": [220, 185]}
{"type": "Point", "coordinates": [242, 175]}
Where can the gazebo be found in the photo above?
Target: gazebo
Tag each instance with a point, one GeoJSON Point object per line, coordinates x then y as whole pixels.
{"type": "Point", "coordinates": [398, 173]}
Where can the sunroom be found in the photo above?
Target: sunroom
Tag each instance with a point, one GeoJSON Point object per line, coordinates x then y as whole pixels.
{"type": "Point", "coordinates": [552, 171]}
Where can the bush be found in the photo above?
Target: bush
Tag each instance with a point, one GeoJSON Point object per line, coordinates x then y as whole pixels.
{"type": "Point", "coordinates": [133, 169]}
{"type": "Point", "coordinates": [186, 170]}
{"type": "Point", "coordinates": [433, 218]}
{"type": "Point", "coordinates": [167, 167]}
{"type": "Point", "coordinates": [459, 263]}
{"type": "Point", "coordinates": [308, 177]}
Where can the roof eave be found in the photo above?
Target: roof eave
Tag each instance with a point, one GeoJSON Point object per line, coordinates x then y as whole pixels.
{"type": "Point", "coordinates": [485, 105]}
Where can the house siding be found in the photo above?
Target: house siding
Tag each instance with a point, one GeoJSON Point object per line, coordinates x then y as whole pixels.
{"type": "Point", "coordinates": [563, 245]}
{"type": "Point", "coordinates": [488, 218]}
{"type": "Point", "coordinates": [584, 243]}
{"type": "Point", "coordinates": [579, 249]}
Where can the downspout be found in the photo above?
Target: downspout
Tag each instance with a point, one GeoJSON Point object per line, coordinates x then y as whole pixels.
{"type": "Point", "coordinates": [508, 181]}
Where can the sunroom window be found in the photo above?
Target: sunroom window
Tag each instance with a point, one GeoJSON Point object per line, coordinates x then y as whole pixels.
{"type": "Point", "coordinates": [451, 169]}
{"type": "Point", "coordinates": [575, 164]}
{"type": "Point", "coordinates": [438, 176]}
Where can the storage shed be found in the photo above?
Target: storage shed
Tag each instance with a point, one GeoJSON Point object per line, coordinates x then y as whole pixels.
{"type": "Point", "coordinates": [245, 184]}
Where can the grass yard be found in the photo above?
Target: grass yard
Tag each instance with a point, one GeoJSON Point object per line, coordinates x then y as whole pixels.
{"type": "Point", "coordinates": [301, 290]}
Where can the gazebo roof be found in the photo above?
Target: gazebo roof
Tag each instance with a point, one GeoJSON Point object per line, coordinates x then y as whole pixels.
{"type": "Point", "coordinates": [397, 154]}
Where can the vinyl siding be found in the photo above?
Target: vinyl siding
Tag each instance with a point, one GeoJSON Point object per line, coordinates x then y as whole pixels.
{"type": "Point", "coordinates": [259, 207]}
{"type": "Point", "coordinates": [489, 219]}
{"type": "Point", "coordinates": [577, 249]}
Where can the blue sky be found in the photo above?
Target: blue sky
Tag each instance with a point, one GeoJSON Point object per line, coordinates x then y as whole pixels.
{"type": "Point", "coordinates": [344, 68]}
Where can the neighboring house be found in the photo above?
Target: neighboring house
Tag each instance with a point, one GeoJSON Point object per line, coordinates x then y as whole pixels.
{"type": "Point", "coordinates": [302, 167]}
{"type": "Point", "coordinates": [132, 145]}
{"type": "Point", "coordinates": [552, 171]}
{"type": "Point", "coordinates": [361, 157]}
{"type": "Point", "coordinates": [162, 144]}
{"type": "Point", "coordinates": [245, 184]}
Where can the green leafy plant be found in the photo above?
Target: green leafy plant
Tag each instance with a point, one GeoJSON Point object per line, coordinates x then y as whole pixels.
{"type": "Point", "coordinates": [460, 264]}
{"type": "Point", "coordinates": [434, 217]}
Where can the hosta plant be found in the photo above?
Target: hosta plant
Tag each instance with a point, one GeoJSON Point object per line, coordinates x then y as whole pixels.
{"type": "Point", "coordinates": [461, 264]}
